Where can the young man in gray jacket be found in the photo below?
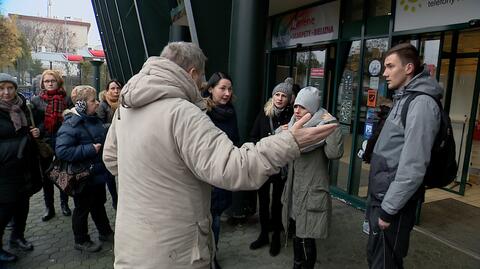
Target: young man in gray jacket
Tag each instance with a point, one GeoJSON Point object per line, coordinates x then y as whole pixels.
{"type": "Point", "coordinates": [400, 157]}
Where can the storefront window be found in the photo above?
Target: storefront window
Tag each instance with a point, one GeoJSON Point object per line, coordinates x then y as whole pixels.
{"type": "Point", "coordinates": [375, 99]}
{"type": "Point", "coordinates": [349, 86]}
{"type": "Point", "coordinates": [317, 71]}
{"type": "Point", "coordinates": [282, 66]}
{"type": "Point", "coordinates": [378, 8]}
{"type": "Point", "coordinates": [353, 10]}
{"type": "Point", "coordinates": [301, 67]}
{"type": "Point", "coordinates": [468, 42]}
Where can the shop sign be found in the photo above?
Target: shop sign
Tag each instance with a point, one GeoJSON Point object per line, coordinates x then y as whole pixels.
{"type": "Point", "coordinates": [429, 13]}
{"type": "Point", "coordinates": [372, 98]}
{"type": "Point", "coordinates": [368, 130]}
{"type": "Point", "coordinates": [316, 72]}
{"type": "Point", "coordinates": [375, 67]}
{"type": "Point", "coordinates": [374, 83]}
{"type": "Point", "coordinates": [315, 24]}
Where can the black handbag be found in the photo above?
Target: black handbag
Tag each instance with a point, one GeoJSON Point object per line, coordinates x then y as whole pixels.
{"type": "Point", "coordinates": [69, 177]}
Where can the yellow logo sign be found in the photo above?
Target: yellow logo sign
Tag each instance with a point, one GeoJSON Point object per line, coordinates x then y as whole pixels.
{"type": "Point", "coordinates": [410, 5]}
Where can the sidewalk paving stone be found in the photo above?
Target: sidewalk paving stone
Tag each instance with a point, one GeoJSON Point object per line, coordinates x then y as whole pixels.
{"type": "Point", "coordinates": [345, 248]}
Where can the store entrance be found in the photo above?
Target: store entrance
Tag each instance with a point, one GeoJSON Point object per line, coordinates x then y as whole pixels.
{"type": "Point", "coordinates": [310, 66]}
{"type": "Point", "coordinates": [453, 213]}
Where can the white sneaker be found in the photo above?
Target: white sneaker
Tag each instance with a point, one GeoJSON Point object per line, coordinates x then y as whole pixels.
{"type": "Point", "coordinates": [366, 227]}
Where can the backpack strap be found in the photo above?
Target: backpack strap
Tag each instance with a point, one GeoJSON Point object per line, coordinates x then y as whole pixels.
{"type": "Point", "coordinates": [410, 99]}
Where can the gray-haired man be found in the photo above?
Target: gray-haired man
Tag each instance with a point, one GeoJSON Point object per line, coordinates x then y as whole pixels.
{"type": "Point", "coordinates": [167, 154]}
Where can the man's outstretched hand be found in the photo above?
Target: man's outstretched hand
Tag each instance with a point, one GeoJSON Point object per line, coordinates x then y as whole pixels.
{"type": "Point", "coordinates": [310, 135]}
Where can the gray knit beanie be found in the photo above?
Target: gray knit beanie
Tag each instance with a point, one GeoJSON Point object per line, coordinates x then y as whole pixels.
{"type": "Point", "coordinates": [309, 97]}
{"type": "Point", "coordinates": [285, 87]}
{"type": "Point", "coordinates": [4, 77]}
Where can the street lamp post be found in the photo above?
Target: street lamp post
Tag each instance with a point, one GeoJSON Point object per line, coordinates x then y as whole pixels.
{"type": "Point", "coordinates": [65, 37]}
{"type": "Point", "coordinates": [65, 32]}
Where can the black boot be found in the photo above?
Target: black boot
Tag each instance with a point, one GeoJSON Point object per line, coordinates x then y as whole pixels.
{"type": "Point", "coordinates": [261, 241]}
{"type": "Point", "coordinates": [21, 243]}
{"type": "Point", "coordinates": [65, 209]}
{"type": "Point", "coordinates": [298, 254]}
{"type": "Point", "coordinates": [275, 244]}
{"type": "Point", "coordinates": [49, 213]}
{"type": "Point", "coordinates": [10, 225]}
{"type": "Point", "coordinates": [310, 249]}
{"type": "Point", "coordinates": [217, 266]}
{"type": "Point", "coordinates": [7, 256]}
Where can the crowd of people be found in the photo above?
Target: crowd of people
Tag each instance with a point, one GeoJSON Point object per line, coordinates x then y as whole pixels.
{"type": "Point", "coordinates": [177, 175]}
{"type": "Point", "coordinates": [33, 133]}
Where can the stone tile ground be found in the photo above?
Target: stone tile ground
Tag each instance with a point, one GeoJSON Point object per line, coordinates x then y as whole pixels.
{"type": "Point", "coordinates": [345, 248]}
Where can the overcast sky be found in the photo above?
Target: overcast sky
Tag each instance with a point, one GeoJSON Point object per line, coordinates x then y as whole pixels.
{"type": "Point", "coordinates": [76, 9]}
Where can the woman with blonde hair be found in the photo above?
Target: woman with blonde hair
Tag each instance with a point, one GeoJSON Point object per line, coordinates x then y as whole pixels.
{"type": "Point", "coordinates": [48, 109]}
{"type": "Point", "coordinates": [80, 140]}
{"type": "Point", "coordinates": [277, 112]}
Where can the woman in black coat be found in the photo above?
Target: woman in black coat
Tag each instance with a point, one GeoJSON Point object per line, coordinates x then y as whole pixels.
{"type": "Point", "coordinates": [80, 140]}
{"type": "Point", "coordinates": [18, 164]}
{"type": "Point", "coordinates": [277, 112]}
{"type": "Point", "coordinates": [221, 111]}
{"type": "Point", "coordinates": [105, 111]}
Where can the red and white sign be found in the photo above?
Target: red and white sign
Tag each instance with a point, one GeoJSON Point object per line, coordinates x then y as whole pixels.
{"type": "Point", "coordinates": [310, 25]}
{"type": "Point", "coordinates": [317, 72]}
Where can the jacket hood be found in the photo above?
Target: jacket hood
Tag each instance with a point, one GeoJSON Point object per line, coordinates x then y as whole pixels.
{"type": "Point", "coordinates": [73, 117]}
{"type": "Point", "coordinates": [159, 79]}
{"type": "Point", "coordinates": [422, 82]}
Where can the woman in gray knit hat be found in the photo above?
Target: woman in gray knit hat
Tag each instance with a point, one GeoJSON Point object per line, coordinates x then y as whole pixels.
{"type": "Point", "coordinates": [20, 171]}
{"type": "Point", "coordinates": [306, 199]}
{"type": "Point", "coordinates": [277, 112]}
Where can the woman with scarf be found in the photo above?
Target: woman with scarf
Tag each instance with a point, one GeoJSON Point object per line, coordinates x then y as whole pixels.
{"type": "Point", "coordinates": [221, 111]}
{"type": "Point", "coordinates": [18, 165]}
{"type": "Point", "coordinates": [105, 111]}
{"type": "Point", "coordinates": [277, 112]}
{"type": "Point", "coordinates": [306, 198]}
{"type": "Point", "coordinates": [80, 140]}
{"type": "Point", "coordinates": [48, 108]}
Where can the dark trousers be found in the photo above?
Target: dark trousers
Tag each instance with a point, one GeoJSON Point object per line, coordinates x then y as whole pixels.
{"type": "Point", "coordinates": [112, 188]}
{"type": "Point", "coordinates": [386, 249]}
{"type": "Point", "coordinates": [90, 201]}
{"type": "Point", "coordinates": [48, 191]}
{"type": "Point", "coordinates": [18, 211]}
{"type": "Point", "coordinates": [304, 251]}
{"type": "Point", "coordinates": [220, 201]}
{"type": "Point", "coordinates": [275, 223]}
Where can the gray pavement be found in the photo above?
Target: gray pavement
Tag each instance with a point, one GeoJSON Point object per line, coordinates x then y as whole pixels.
{"type": "Point", "coordinates": [345, 248]}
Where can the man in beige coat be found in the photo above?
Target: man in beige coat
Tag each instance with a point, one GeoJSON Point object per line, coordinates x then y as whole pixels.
{"type": "Point", "coordinates": [167, 154]}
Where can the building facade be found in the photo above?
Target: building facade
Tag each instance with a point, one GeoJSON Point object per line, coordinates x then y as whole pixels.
{"type": "Point", "coordinates": [337, 46]}
{"type": "Point", "coordinates": [65, 35]}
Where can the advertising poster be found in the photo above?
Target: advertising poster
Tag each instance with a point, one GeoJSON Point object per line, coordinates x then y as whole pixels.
{"type": "Point", "coordinates": [429, 13]}
{"type": "Point", "coordinates": [315, 24]}
{"type": "Point", "coordinates": [372, 98]}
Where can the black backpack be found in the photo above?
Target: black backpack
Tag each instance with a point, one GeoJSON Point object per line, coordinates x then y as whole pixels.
{"type": "Point", "coordinates": [443, 167]}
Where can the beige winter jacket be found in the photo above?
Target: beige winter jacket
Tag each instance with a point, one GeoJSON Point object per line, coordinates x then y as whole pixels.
{"type": "Point", "coordinates": [167, 154]}
{"type": "Point", "coordinates": [306, 196]}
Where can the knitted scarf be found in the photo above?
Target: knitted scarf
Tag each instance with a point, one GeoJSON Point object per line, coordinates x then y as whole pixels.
{"type": "Point", "coordinates": [14, 110]}
{"type": "Point", "coordinates": [55, 100]}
